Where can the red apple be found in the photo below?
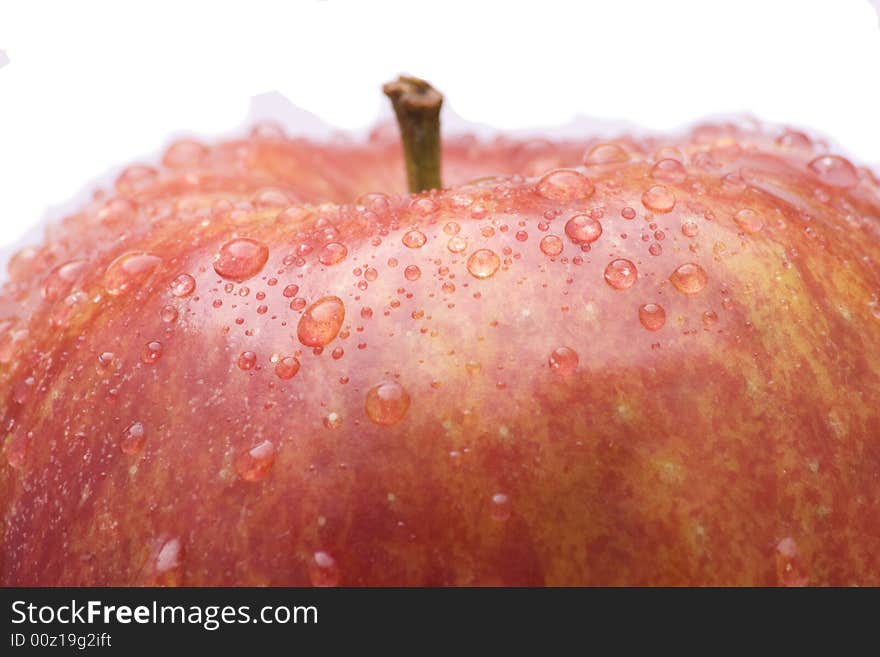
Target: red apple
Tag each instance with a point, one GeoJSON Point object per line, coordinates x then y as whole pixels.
{"type": "Point", "coordinates": [648, 361]}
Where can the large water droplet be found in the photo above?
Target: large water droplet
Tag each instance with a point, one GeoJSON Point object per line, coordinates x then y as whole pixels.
{"type": "Point", "coordinates": [387, 403]}
{"type": "Point", "coordinates": [129, 271]}
{"type": "Point", "coordinates": [483, 263]}
{"type": "Point", "coordinates": [563, 361]}
{"type": "Point", "coordinates": [320, 322]}
{"type": "Point", "coordinates": [749, 220]}
{"type": "Point", "coordinates": [621, 274]}
{"type": "Point", "coordinates": [669, 171]}
{"type": "Point", "coordinates": [652, 316]}
{"type": "Point", "coordinates": [255, 463]}
{"type": "Point", "coordinates": [583, 229]}
{"type": "Point", "coordinates": [183, 285]}
{"type": "Point", "coordinates": [565, 185]}
{"type": "Point", "coordinates": [241, 258]}
{"type": "Point", "coordinates": [689, 278]}
{"type": "Point", "coordinates": [658, 198]}
{"type": "Point", "coordinates": [835, 170]}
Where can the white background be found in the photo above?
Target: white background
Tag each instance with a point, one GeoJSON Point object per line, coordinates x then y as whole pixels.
{"type": "Point", "coordinates": [89, 86]}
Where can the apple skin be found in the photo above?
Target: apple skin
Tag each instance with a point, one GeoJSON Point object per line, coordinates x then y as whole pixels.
{"type": "Point", "coordinates": [738, 443]}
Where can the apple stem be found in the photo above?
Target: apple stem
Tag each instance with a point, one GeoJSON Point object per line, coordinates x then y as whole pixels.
{"type": "Point", "coordinates": [417, 106]}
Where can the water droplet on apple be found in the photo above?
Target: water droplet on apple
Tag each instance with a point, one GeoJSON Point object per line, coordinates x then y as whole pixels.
{"type": "Point", "coordinates": [184, 153]}
{"type": "Point", "coordinates": [68, 307]}
{"type": "Point", "coordinates": [583, 229]}
{"type": "Point", "coordinates": [168, 314]}
{"type": "Point", "coordinates": [320, 323]}
{"type": "Point", "coordinates": [286, 367]}
{"type": "Point", "coordinates": [835, 170]}
{"type": "Point", "coordinates": [133, 439]}
{"type": "Point", "coordinates": [290, 291]}
{"type": "Point", "coordinates": [500, 507]}
{"type": "Point", "coordinates": [247, 360]}
{"type": "Point", "coordinates": [565, 185]}
{"type": "Point", "coordinates": [551, 245]}
{"type": "Point", "coordinates": [151, 352]}
{"type": "Point", "coordinates": [255, 463]}
{"type": "Point", "coordinates": [412, 273]}
{"type": "Point", "coordinates": [332, 420]}
{"type": "Point", "coordinates": [606, 154]}
{"type": "Point", "coordinates": [105, 358]}
{"type": "Point", "coordinates": [323, 571]}
{"type": "Point", "coordinates": [628, 213]}
{"type": "Point", "coordinates": [658, 198]}
{"type": "Point", "coordinates": [387, 403]}
{"type": "Point", "coordinates": [183, 285]}
{"type": "Point", "coordinates": [749, 220]}
{"type": "Point", "coordinates": [241, 258]}
{"type": "Point", "coordinates": [414, 239]}
{"type": "Point", "coordinates": [483, 263]}
{"type": "Point", "coordinates": [332, 253]}
{"type": "Point", "coordinates": [456, 244]}
{"type": "Point", "coordinates": [689, 278]}
{"type": "Point", "coordinates": [563, 361]}
{"type": "Point", "coordinates": [669, 171]}
{"type": "Point", "coordinates": [690, 228]}
{"type": "Point", "coordinates": [652, 316]}
{"type": "Point", "coordinates": [710, 318]}
{"type": "Point", "coordinates": [129, 271]}
{"type": "Point", "coordinates": [621, 274]}
{"type": "Point", "coordinates": [61, 278]}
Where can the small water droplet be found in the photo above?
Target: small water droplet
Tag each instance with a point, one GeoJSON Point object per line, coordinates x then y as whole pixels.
{"type": "Point", "coordinates": [290, 291]}
{"type": "Point", "coordinates": [133, 439]}
{"type": "Point", "coordinates": [652, 316]}
{"type": "Point", "coordinates": [320, 323]}
{"type": "Point", "coordinates": [563, 361]}
{"type": "Point", "coordinates": [690, 228]}
{"type": "Point", "coordinates": [452, 228]}
{"type": "Point", "coordinates": [483, 263]}
{"type": "Point", "coordinates": [255, 463]}
{"type": "Point", "coordinates": [412, 273]}
{"type": "Point", "coordinates": [500, 507]}
{"type": "Point", "coordinates": [60, 279]}
{"type": "Point", "coordinates": [835, 170]}
{"type": "Point", "coordinates": [583, 229]}
{"type": "Point", "coordinates": [168, 314]}
{"type": "Point", "coordinates": [332, 420]}
{"type": "Point", "coordinates": [287, 367]}
{"type": "Point", "coordinates": [606, 154]}
{"type": "Point", "coordinates": [105, 358]}
{"type": "Point", "coordinates": [621, 274]}
{"type": "Point", "coordinates": [628, 213]}
{"type": "Point", "coordinates": [387, 403]}
{"type": "Point", "coordinates": [414, 239]}
{"type": "Point", "coordinates": [183, 285]}
{"type": "Point", "coordinates": [565, 185]}
{"type": "Point", "coordinates": [332, 254]}
{"type": "Point", "coordinates": [655, 249]}
{"type": "Point", "coordinates": [247, 360]}
{"type": "Point", "coordinates": [323, 571]}
{"type": "Point", "coordinates": [151, 352]}
{"type": "Point", "coordinates": [551, 245]}
{"type": "Point", "coordinates": [689, 278]}
{"type": "Point", "coordinates": [130, 270]}
{"type": "Point", "coordinates": [658, 198]}
{"type": "Point", "coordinates": [710, 317]}
{"type": "Point", "coordinates": [241, 258]}
{"type": "Point", "coordinates": [456, 244]}
{"type": "Point", "coordinates": [669, 171]}
{"type": "Point", "coordinates": [749, 220]}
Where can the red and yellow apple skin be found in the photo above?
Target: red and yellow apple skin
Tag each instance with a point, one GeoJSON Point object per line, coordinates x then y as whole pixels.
{"type": "Point", "coordinates": [251, 367]}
